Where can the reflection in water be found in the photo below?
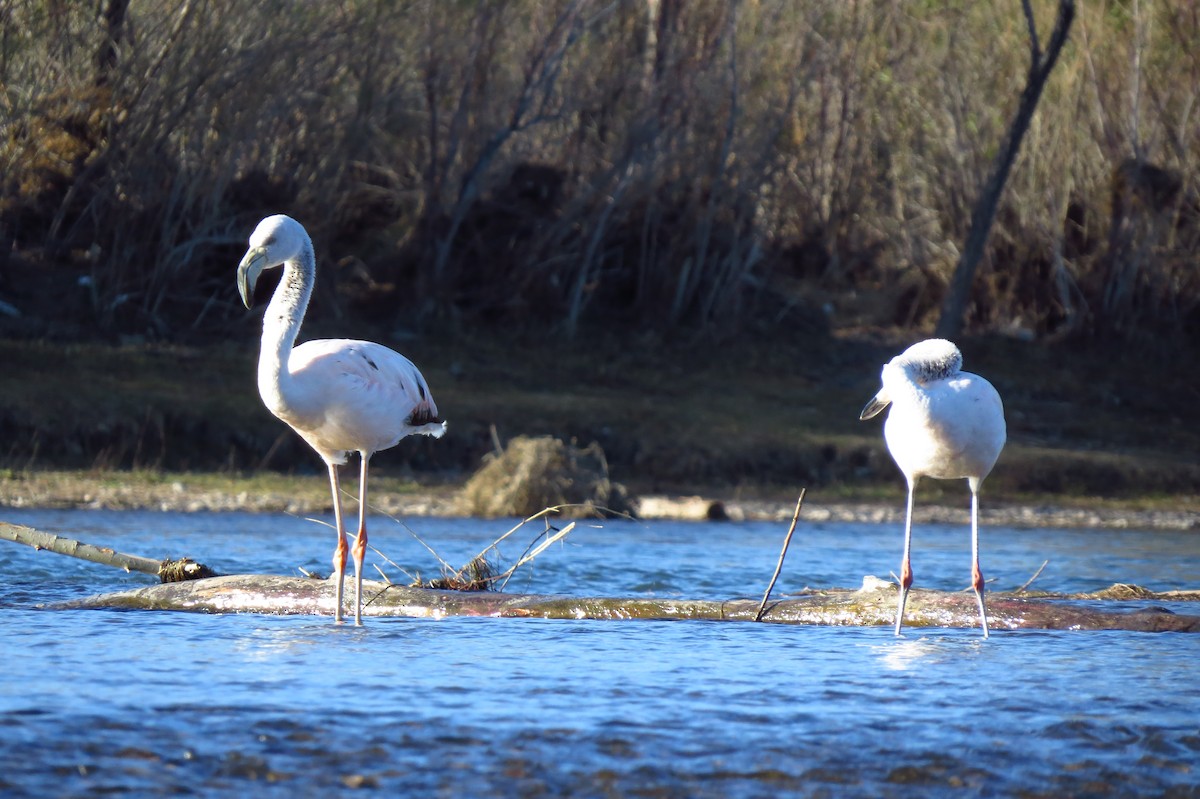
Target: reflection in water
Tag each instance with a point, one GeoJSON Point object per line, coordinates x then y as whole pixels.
{"type": "Point", "coordinates": [903, 655]}
{"type": "Point", "coordinates": [915, 648]}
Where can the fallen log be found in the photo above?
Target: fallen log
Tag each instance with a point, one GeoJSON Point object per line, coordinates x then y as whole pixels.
{"type": "Point", "coordinates": [871, 605]}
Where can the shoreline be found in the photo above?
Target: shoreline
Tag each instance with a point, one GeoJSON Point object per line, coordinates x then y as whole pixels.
{"type": "Point", "coordinates": [307, 495]}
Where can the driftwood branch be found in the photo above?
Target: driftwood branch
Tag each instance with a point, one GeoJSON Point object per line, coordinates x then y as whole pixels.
{"type": "Point", "coordinates": [165, 570]}
{"type": "Point", "coordinates": [1029, 582]}
{"type": "Point", "coordinates": [787, 540]}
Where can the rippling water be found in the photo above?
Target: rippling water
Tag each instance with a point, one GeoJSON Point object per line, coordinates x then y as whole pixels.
{"type": "Point", "coordinates": [139, 703]}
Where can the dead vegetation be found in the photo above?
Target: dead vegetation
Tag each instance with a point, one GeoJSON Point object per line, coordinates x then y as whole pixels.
{"type": "Point", "coordinates": [657, 172]}
{"type": "Point", "coordinates": [552, 165]}
{"type": "Point", "coordinates": [538, 472]}
{"type": "Point", "coordinates": [483, 572]}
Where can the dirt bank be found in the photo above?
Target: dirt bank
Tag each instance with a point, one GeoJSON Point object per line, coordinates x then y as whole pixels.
{"type": "Point", "coordinates": [308, 495]}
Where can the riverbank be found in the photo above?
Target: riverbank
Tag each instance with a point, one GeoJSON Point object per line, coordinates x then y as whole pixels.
{"type": "Point", "coordinates": [308, 495]}
{"type": "Point", "coordinates": [1097, 437]}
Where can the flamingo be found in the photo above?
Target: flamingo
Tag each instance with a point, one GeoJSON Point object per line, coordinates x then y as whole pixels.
{"type": "Point", "coordinates": [340, 395]}
{"type": "Point", "coordinates": [946, 424]}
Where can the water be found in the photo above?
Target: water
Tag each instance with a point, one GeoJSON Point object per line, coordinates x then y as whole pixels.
{"type": "Point", "coordinates": [139, 703]}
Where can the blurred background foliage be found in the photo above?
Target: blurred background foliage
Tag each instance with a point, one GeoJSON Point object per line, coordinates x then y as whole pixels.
{"type": "Point", "coordinates": [548, 166]}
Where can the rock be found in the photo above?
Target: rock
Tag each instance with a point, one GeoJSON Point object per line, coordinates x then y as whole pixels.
{"type": "Point", "coordinates": [686, 508]}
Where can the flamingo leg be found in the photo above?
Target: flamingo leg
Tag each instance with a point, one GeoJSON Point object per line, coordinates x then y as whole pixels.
{"type": "Point", "coordinates": [976, 574]}
{"type": "Point", "coordinates": [339, 553]}
{"type": "Point", "coordinates": [359, 550]}
{"type": "Point", "coordinates": [906, 575]}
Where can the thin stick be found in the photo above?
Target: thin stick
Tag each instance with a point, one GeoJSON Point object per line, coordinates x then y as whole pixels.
{"type": "Point", "coordinates": [543, 513]}
{"type": "Point", "coordinates": [558, 535]}
{"type": "Point", "coordinates": [394, 564]}
{"type": "Point", "coordinates": [382, 573]}
{"type": "Point", "coordinates": [782, 553]}
{"type": "Point", "coordinates": [540, 514]}
{"type": "Point", "coordinates": [1028, 582]}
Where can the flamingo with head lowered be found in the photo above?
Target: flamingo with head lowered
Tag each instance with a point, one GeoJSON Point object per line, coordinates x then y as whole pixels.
{"type": "Point", "coordinates": [340, 395]}
{"type": "Point", "coordinates": [946, 424]}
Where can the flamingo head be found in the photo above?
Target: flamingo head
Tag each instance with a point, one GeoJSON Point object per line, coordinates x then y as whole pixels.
{"type": "Point", "coordinates": [277, 240]}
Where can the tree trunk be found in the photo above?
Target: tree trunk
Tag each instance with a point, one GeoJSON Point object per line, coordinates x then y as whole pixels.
{"type": "Point", "coordinates": [958, 294]}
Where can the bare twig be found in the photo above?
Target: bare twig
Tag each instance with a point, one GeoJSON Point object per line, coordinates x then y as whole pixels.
{"type": "Point", "coordinates": [530, 555]}
{"type": "Point", "coordinates": [540, 514]}
{"type": "Point", "coordinates": [456, 575]}
{"type": "Point", "coordinates": [1028, 582]}
{"type": "Point", "coordinates": [396, 565]}
{"type": "Point", "coordinates": [779, 566]}
{"type": "Point", "coordinates": [382, 574]}
{"type": "Point", "coordinates": [446, 566]}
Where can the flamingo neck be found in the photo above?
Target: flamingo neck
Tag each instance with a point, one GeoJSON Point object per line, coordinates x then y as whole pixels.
{"type": "Point", "coordinates": [281, 325]}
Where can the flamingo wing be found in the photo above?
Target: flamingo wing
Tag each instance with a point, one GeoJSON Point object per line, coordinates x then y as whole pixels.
{"type": "Point", "coordinates": [366, 397]}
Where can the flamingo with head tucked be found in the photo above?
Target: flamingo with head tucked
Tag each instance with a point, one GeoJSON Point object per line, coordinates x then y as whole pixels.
{"type": "Point", "coordinates": [340, 395]}
{"type": "Point", "coordinates": [946, 424]}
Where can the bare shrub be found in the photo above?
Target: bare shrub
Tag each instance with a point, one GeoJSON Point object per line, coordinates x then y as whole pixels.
{"type": "Point", "coordinates": [555, 164]}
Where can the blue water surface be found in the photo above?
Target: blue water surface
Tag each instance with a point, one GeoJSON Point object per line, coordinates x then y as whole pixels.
{"type": "Point", "coordinates": [134, 703]}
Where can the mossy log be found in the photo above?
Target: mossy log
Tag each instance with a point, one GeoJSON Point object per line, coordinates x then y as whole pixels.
{"type": "Point", "coordinates": [874, 604]}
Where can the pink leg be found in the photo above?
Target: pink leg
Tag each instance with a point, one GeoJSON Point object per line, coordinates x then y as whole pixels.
{"type": "Point", "coordinates": [339, 553]}
{"type": "Point", "coordinates": [906, 575]}
{"type": "Point", "coordinates": [976, 574]}
{"type": "Point", "coordinates": [359, 550]}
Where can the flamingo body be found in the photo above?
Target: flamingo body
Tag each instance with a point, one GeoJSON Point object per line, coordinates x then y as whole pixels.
{"type": "Point", "coordinates": [339, 395]}
{"type": "Point", "coordinates": [353, 396]}
{"type": "Point", "coordinates": [944, 423]}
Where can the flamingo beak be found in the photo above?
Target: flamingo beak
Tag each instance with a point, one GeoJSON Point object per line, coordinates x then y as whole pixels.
{"type": "Point", "coordinates": [248, 271]}
{"type": "Point", "coordinates": [877, 404]}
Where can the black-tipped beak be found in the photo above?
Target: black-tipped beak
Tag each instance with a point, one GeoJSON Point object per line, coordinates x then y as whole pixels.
{"type": "Point", "coordinates": [248, 270]}
{"type": "Point", "coordinates": [877, 404]}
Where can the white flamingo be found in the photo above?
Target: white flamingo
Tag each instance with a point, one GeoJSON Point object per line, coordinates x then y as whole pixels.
{"type": "Point", "coordinates": [340, 395]}
{"type": "Point", "coordinates": [944, 424]}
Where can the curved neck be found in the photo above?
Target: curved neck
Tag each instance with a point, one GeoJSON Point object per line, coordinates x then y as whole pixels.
{"type": "Point", "coordinates": [281, 324]}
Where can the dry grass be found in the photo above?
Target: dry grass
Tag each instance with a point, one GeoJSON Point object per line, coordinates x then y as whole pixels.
{"type": "Point", "coordinates": [534, 473]}
{"type": "Point", "coordinates": [745, 418]}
